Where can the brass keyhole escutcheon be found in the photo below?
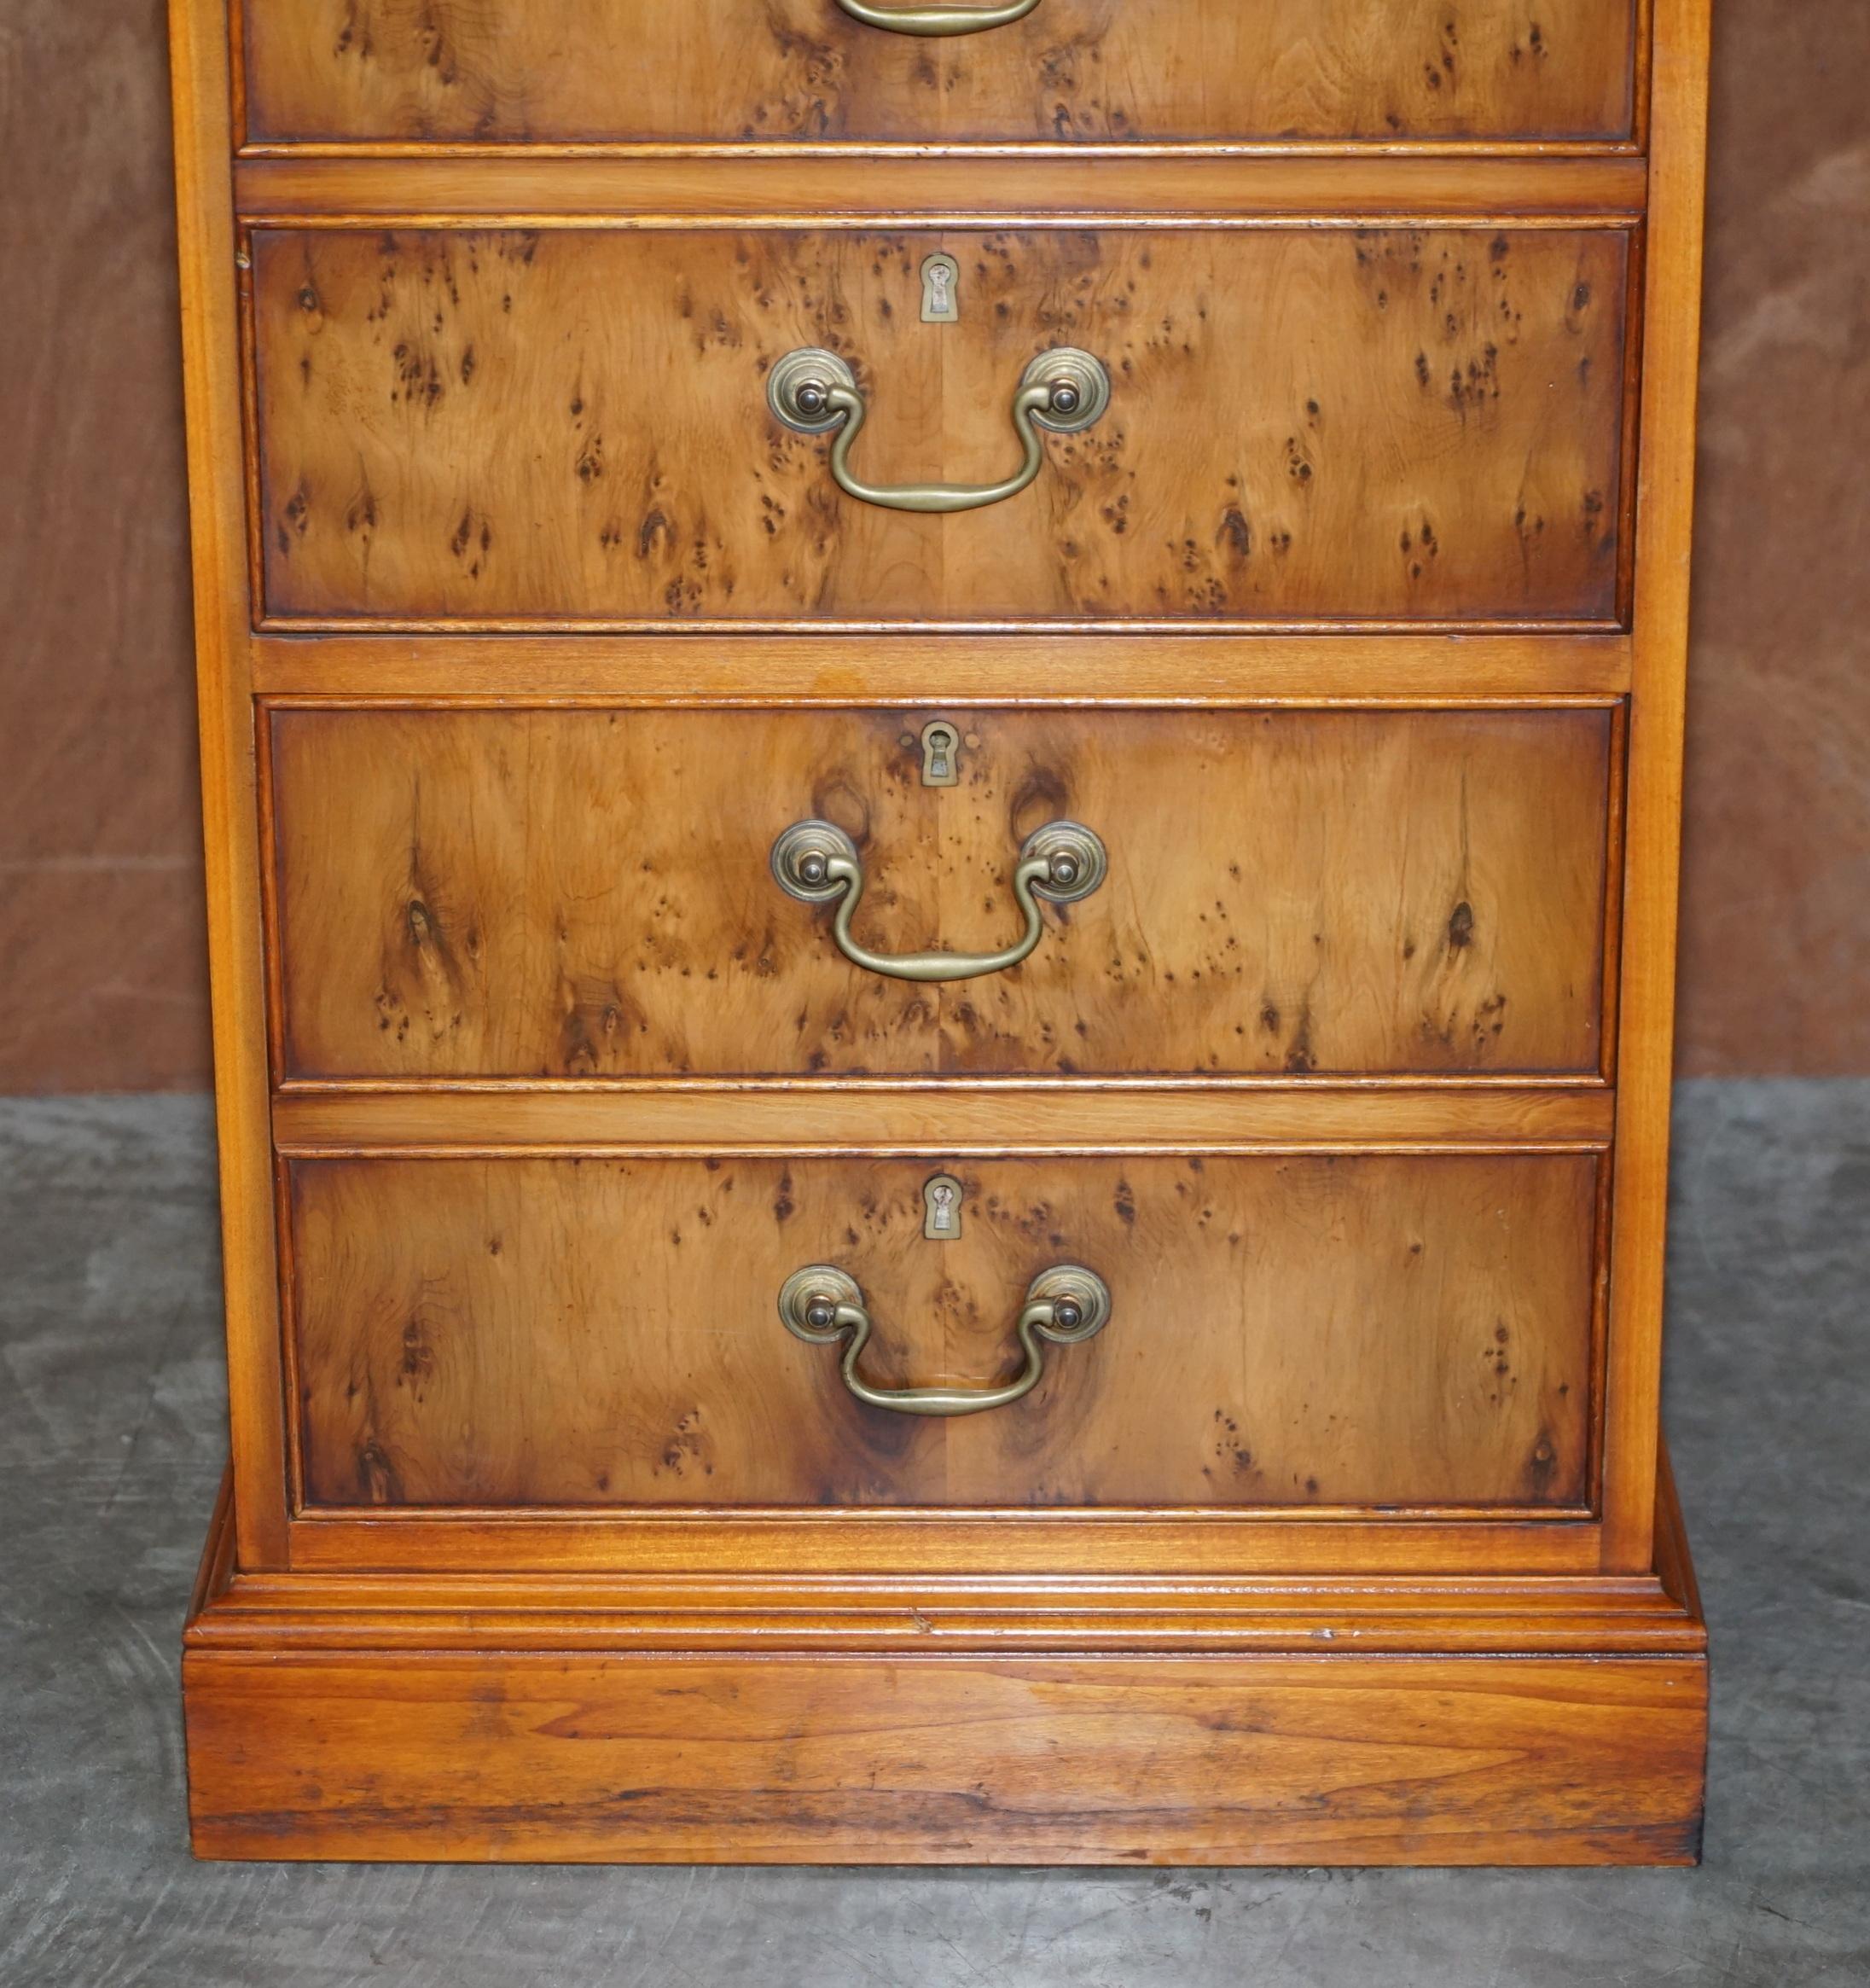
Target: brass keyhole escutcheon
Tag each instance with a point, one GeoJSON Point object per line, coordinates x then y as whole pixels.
{"type": "Point", "coordinates": [941, 1209]}
{"type": "Point", "coordinates": [941, 289]}
{"type": "Point", "coordinates": [941, 753]}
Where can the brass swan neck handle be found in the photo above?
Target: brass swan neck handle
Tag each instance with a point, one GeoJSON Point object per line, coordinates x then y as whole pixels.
{"type": "Point", "coordinates": [816, 392]}
{"type": "Point", "coordinates": [938, 21]}
{"type": "Point", "coordinates": [1066, 1304]}
{"type": "Point", "coordinates": [816, 862]}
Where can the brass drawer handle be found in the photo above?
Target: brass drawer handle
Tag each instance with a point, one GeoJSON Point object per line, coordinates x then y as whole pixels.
{"type": "Point", "coordinates": [814, 392]}
{"type": "Point", "coordinates": [940, 21]}
{"type": "Point", "coordinates": [815, 862]}
{"type": "Point", "coordinates": [1066, 1304]}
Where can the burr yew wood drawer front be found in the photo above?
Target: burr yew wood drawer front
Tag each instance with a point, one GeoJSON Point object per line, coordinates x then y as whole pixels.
{"type": "Point", "coordinates": [1101, 73]}
{"type": "Point", "coordinates": [1306, 1331]}
{"type": "Point", "coordinates": [628, 893]}
{"type": "Point", "coordinates": [1211, 426]}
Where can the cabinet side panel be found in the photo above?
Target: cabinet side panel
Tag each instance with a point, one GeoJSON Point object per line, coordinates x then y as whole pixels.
{"type": "Point", "coordinates": [1664, 522]}
{"type": "Point", "coordinates": [204, 200]}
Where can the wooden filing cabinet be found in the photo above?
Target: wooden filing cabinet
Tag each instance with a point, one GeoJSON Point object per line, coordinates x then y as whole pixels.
{"type": "Point", "coordinates": [941, 751]}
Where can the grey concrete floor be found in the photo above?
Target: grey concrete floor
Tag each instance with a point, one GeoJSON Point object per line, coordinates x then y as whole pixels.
{"type": "Point", "coordinates": [111, 1412]}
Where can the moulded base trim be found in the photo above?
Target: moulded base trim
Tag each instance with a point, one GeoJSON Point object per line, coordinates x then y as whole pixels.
{"type": "Point", "coordinates": [313, 1735]}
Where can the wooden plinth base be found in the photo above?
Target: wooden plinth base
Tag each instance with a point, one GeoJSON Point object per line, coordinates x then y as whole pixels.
{"type": "Point", "coordinates": [567, 1719]}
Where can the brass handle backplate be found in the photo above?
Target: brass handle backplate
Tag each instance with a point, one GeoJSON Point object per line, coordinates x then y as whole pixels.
{"type": "Point", "coordinates": [815, 393]}
{"type": "Point", "coordinates": [937, 20]}
{"type": "Point", "coordinates": [1066, 1304]}
{"type": "Point", "coordinates": [817, 862]}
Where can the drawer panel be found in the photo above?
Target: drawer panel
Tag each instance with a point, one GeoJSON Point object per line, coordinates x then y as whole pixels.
{"type": "Point", "coordinates": [579, 893]}
{"type": "Point", "coordinates": [495, 428]}
{"type": "Point", "coordinates": [1072, 73]}
{"type": "Point", "coordinates": [1308, 1331]}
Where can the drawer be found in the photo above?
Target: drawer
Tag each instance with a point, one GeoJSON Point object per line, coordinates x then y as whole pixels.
{"type": "Point", "coordinates": [499, 428]}
{"type": "Point", "coordinates": [1070, 72]}
{"type": "Point", "coordinates": [1308, 1331]}
{"type": "Point", "coordinates": [590, 893]}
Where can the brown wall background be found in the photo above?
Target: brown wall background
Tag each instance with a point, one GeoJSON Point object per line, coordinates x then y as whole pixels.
{"type": "Point", "coordinates": [102, 977]}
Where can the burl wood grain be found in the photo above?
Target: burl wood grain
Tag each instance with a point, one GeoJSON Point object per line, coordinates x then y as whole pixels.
{"type": "Point", "coordinates": [1075, 71]}
{"type": "Point", "coordinates": [1397, 424]}
{"type": "Point", "coordinates": [568, 894]}
{"type": "Point", "coordinates": [1297, 1331]}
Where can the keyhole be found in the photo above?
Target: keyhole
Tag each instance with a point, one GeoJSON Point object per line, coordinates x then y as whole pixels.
{"type": "Point", "coordinates": [939, 767]}
{"type": "Point", "coordinates": [941, 1204]}
{"type": "Point", "coordinates": [941, 285]}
